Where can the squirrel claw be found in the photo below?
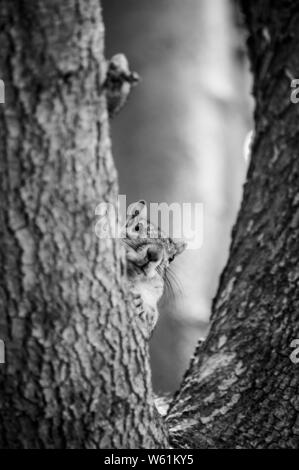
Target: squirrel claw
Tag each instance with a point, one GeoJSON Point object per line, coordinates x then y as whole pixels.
{"type": "Point", "coordinates": [138, 304]}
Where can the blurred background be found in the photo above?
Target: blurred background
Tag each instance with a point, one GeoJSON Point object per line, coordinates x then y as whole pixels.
{"type": "Point", "coordinates": [181, 138]}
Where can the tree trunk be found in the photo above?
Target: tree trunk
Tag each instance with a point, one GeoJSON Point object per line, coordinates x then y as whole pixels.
{"type": "Point", "coordinates": [242, 389]}
{"type": "Point", "coordinates": [76, 371]}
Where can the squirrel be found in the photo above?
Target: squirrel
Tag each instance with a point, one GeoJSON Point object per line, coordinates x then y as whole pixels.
{"type": "Point", "coordinates": [149, 253]}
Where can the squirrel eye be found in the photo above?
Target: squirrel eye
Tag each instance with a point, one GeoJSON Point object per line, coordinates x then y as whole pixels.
{"type": "Point", "coordinates": [137, 228]}
{"type": "Point", "coordinates": [170, 259]}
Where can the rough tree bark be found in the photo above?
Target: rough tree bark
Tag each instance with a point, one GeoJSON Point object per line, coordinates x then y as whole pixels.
{"type": "Point", "coordinates": [77, 371]}
{"type": "Point", "coordinates": [242, 390]}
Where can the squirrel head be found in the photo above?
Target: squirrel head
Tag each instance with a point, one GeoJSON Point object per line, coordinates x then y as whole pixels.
{"type": "Point", "coordinates": [149, 253]}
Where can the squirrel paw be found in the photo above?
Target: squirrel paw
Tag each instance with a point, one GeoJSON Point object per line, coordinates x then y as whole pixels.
{"type": "Point", "coordinates": [138, 304]}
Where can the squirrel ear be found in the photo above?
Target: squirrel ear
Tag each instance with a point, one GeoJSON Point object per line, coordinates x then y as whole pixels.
{"type": "Point", "coordinates": [136, 209]}
{"type": "Point", "coordinates": [180, 246]}
{"type": "Point", "coordinates": [141, 204]}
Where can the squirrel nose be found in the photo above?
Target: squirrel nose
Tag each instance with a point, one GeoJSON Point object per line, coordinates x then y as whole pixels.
{"type": "Point", "coordinates": [154, 254]}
